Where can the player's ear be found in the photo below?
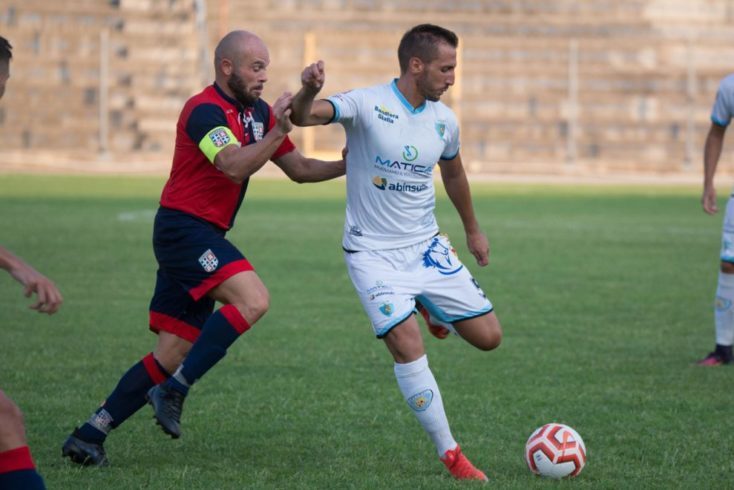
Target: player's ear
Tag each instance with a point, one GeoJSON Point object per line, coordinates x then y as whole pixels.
{"type": "Point", "coordinates": [415, 65]}
{"type": "Point", "coordinates": [227, 66]}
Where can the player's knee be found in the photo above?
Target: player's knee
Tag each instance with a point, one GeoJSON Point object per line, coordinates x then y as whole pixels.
{"type": "Point", "coordinates": [492, 335]}
{"type": "Point", "coordinates": [491, 340]}
{"type": "Point", "coordinates": [255, 307]}
{"type": "Point", "coordinates": [727, 267]}
{"type": "Point", "coordinates": [261, 304]}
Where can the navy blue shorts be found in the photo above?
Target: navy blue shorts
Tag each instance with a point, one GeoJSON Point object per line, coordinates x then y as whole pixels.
{"type": "Point", "coordinates": [193, 257]}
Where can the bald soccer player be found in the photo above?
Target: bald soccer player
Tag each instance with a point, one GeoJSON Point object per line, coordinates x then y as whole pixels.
{"type": "Point", "coordinates": [224, 134]}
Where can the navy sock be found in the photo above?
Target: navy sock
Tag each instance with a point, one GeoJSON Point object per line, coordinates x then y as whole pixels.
{"type": "Point", "coordinates": [22, 480]}
{"type": "Point", "coordinates": [18, 472]}
{"type": "Point", "coordinates": [127, 398]}
{"type": "Point", "coordinates": [222, 328]}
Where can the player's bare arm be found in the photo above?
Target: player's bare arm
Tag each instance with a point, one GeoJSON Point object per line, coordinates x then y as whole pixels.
{"type": "Point", "coordinates": [457, 188]}
{"type": "Point", "coordinates": [301, 169]}
{"type": "Point", "coordinates": [305, 110]}
{"type": "Point", "coordinates": [238, 163]}
{"type": "Point", "coordinates": [711, 154]}
{"type": "Point", "coordinates": [48, 299]}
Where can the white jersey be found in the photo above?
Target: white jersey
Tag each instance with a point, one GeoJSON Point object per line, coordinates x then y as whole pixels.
{"type": "Point", "coordinates": [393, 149]}
{"type": "Point", "coordinates": [723, 109]}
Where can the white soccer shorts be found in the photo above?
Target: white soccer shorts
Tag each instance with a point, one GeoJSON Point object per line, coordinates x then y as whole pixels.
{"type": "Point", "coordinates": [727, 234]}
{"type": "Point", "coordinates": [389, 281]}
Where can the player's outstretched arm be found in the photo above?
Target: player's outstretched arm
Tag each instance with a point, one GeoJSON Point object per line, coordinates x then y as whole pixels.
{"type": "Point", "coordinates": [711, 154]}
{"type": "Point", "coordinates": [49, 298]}
{"type": "Point", "coordinates": [457, 188]}
{"type": "Point", "coordinates": [301, 169]}
{"type": "Point", "coordinates": [305, 111]}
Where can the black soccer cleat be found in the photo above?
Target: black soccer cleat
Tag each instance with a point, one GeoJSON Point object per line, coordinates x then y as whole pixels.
{"type": "Point", "coordinates": [167, 404]}
{"type": "Point", "coordinates": [84, 453]}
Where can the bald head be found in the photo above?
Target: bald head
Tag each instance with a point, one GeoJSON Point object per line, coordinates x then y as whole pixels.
{"type": "Point", "coordinates": [235, 45]}
{"type": "Point", "coordinates": [240, 64]}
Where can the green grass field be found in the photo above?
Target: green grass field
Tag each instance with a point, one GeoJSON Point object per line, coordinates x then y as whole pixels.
{"type": "Point", "coordinates": [605, 294]}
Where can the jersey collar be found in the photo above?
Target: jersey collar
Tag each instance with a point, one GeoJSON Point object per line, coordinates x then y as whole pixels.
{"type": "Point", "coordinates": [404, 101]}
{"type": "Point", "coordinates": [229, 99]}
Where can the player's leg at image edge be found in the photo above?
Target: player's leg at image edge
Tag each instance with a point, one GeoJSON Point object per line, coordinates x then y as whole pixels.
{"type": "Point", "coordinates": [17, 469]}
{"type": "Point", "coordinates": [724, 319]}
{"type": "Point", "coordinates": [18, 472]}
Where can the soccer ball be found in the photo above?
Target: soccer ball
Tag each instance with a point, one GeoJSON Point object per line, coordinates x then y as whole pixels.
{"type": "Point", "coordinates": [555, 451]}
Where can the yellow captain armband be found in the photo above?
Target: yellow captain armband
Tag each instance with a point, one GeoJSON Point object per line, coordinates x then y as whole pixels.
{"type": "Point", "coordinates": [216, 140]}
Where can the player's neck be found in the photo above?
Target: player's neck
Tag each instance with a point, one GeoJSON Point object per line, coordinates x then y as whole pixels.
{"type": "Point", "coordinates": [222, 86]}
{"type": "Point", "coordinates": [409, 90]}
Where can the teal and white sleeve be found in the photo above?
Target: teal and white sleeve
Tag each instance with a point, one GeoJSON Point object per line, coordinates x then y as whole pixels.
{"type": "Point", "coordinates": [346, 106]}
{"type": "Point", "coordinates": [450, 130]}
{"type": "Point", "coordinates": [721, 113]}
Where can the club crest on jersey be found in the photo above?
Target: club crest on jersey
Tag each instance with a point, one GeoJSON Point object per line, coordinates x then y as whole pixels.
{"type": "Point", "coordinates": [219, 137]}
{"type": "Point", "coordinates": [258, 130]}
{"type": "Point", "coordinates": [442, 258]}
{"type": "Point", "coordinates": [421, 401]}
{"type": "Point", "coordinates": [209, 261]}
{"type": "Point", "coordinates": [387, 309]}
{"type": "Point", "coordinates": [441, 129]}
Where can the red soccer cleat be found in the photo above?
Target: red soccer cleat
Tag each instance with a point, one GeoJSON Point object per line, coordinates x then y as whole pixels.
{"type": "Point", "coordinates": [438, 331]}
{"type": "Point", "coordinates": [713, 359]}
{"type": "Point", "coordinates": [460, 467]}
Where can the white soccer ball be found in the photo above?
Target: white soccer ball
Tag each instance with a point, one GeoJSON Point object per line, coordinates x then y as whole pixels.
{"type": "Point", "coordinates": [555, 451]}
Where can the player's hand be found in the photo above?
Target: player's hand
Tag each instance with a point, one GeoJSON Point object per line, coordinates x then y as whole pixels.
{"type": "Point", "coordinates": [313, 77]}
{"type": "Point", "coordinates": [282, 112]}
{"type": "Point", "coordinates": [49, 297]}
{"type": "Point", "coordinates": [345, 152]}
{"type": "Point", "coordinates": [708, 200]}
{"type": "Point", "coordinates": [479, 247]}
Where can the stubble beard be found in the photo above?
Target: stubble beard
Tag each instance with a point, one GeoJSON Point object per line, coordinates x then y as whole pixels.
{"type": "Point", "coordinates": [425, 89]}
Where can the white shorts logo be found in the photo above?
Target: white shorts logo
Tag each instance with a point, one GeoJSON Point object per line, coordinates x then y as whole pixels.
{"type": "Point", "coordinates": [209, 261]}
{"type": "Point", "coordinates": [387, 309]}
{"type": "Point", "coordinates": [442, 258]}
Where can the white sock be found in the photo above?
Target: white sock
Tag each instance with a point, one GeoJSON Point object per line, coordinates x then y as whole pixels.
{"type": "Point", "coordinates": [178, 376]}
{"type": "Point", "coordinates": [724, 311]}
{"type": "Point", "coordinates": [420, 390]}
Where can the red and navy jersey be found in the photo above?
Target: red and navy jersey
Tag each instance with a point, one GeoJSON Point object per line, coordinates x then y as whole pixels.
{"type": "Point", "coordinates": [195, 185]}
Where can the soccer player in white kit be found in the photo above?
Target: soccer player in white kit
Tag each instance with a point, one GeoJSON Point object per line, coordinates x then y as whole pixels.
{"type": "Point", "coordinates": [721, 115]}
{"type": "Point", "coordinates": [396, 134]}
